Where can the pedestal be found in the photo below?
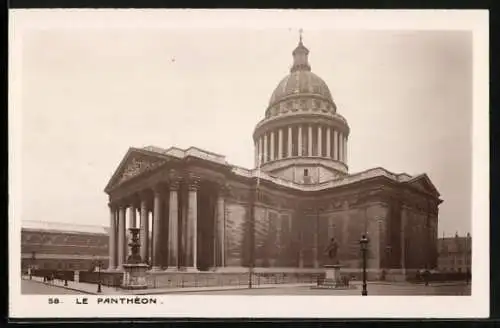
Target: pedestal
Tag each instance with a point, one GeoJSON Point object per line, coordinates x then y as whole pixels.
{"type": "Point", "coordinates": [134, 276]}
{"type": "Point", "coordinates": [332, 274]}
{"type": "Point", "coordinates": [76, 277]}
{"type": "Point", "coordinates": [333, 279]}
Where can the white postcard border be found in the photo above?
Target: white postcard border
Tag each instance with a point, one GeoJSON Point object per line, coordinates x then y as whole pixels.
{"type": "Point", "coordinates": [476, 305]}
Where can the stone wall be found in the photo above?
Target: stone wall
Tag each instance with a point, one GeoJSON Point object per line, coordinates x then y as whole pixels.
{"type": "Point", "coordinates": [316, 173]}
{"type": "Point", "coordinates": [421, 239]}
{"type": "Point", "coordinates": [273, 232]}
{"type": "Point", "coordinates": [235, 227]}
{"type": "Point", "coordinates": [294, 232]}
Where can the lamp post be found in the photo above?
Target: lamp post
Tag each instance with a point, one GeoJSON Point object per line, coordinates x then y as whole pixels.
{"type": "Point", "coordinates": [254, 195]}
{"type": "Point", "coordinates": [99, 289]}
{"type": "Point", "coordinates": [32, 266]}
{"type": "Point", "coordinates": [251, 241]}
{"type": "Point", "coordinates": [364, 248]}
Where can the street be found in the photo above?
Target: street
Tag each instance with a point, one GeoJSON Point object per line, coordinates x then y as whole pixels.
{"type": "Point", "coordinates": [373, 289]}
{"type": "Point", "coordinates": [38, 288]}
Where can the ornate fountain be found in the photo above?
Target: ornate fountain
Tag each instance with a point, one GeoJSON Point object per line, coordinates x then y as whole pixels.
{"type": "Point", "coordinates": [134, 276]}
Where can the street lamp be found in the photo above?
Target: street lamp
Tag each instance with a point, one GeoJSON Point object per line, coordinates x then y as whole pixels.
{"type": "Point", "coordinates": [99, 289]}
{"type": "Point", "coordinates": [251, 243]}
{"type": "Point", "coordinates": [32, 267]}
{"type": "Point", "coordinates": [364, 248]}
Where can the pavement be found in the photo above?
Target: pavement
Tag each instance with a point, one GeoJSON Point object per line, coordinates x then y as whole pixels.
{"type": "Point", "coordinates": [37, 286]}
{"type": "Point", "coordinates": [87, 288]}
{"type": "Point", "coordinates": [372, 288]}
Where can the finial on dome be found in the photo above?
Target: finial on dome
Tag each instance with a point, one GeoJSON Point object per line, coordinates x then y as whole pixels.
{"type": "Point", "coordinates": [300, 53]}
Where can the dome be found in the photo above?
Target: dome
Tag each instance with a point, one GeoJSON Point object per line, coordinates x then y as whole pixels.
{"type": "Point", "coordinates": [300, 82]}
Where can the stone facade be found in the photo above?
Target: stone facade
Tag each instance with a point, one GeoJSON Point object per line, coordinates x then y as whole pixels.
{"type": "Point", "coordinates": [199, 213]}
{"type": "Point", "coordinates": [55, 246]}
{"type": "Point", "coordinates": [455, 253]}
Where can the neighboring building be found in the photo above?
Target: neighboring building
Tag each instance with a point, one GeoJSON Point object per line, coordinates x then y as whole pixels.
{"type": "Point", "coordinates": [455, 253]}
{"type": "Point", "coordinates": [50, 245]}
{"type": "Point", "coordinates": [208, 214]}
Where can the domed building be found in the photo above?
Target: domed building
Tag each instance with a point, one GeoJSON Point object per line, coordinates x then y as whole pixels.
{"type": "Point", "coordinates": [197, 212]}
{"type": "Point", "coordinates": [302, 137]}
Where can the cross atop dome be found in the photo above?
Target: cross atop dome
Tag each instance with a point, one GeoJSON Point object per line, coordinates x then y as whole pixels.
{"type": "Point", "coordinates": [300, 62]}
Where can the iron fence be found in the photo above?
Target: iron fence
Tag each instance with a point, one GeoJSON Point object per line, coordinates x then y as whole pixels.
{"type": "Point", "coordinates": [110, 279]}
{"type": "Point", "coordinates": [54, 274]}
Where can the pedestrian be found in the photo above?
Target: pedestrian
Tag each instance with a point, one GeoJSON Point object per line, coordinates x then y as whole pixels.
{"type": "Point", "coordinates": [426, 277]}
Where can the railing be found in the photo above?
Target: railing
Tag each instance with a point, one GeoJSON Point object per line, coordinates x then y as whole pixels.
{"type": "Point", "coordinates": [54, 274]}
{"type": "Point", "coordinates": [439, 277]}
{"type": "Point", "coordinates": [111, 279]}
{"type": "Point", "coordinates": [186, 280]}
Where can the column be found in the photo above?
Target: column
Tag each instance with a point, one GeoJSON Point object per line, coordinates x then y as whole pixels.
{"type": "Point", "coordinates": [173, 228]}
{"type": "Point", "coordinates": [280, 143]}
{"type": "Point", "coordinates": [132, 217]}
{"type": "Point", "coordinates": [335, 145]}
{"type": "Point", "coordinates": [256, 156]}
{"type": "Point", "coordinates": [299, 143]}
{"type": "Point", "coordinates": [345, 149]}
{"type": "Point", "coordinates": [289, 153]}
{"type": "Point", "coordinates": [266, 156]}
{"type": "Point", "coordinates": [144, 233]}
{"type": "Point", "coordinates": [192, 222]}
{"type": "Point", "coordinates": [121, 236]}
{"type": "Point", "coordinates": [261, 150]}
{"type": "Point", "coordinates": [272, 146]}
{"type": "Point", "coordinates": [112, 238]}
{"type": "Point", "coordinates": [220, 226]}
{"type": "Point", "coordinates": [328, 143]}
{"type": "Point", "coordinates": [320, 142]}
{"type": "Point", "coordinates": [156, 228]}
{"type": "Point", "coordinates": [310, 141]}
{"type": "Point", "coordinates": [341, 147]}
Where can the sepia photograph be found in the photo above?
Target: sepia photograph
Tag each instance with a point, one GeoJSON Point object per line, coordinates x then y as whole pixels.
{"type": "Point", "coordinates": [161, 156]}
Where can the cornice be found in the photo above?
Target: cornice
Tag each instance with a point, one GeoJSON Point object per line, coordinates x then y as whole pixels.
{"type": "Point", "coordinates": [281, 164]}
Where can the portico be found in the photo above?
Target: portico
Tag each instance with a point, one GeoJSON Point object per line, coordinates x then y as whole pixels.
{"type": "Point", "coordinates": [180, 216]}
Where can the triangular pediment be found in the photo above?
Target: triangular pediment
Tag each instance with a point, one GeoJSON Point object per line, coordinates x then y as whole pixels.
{"type": "Point", "coordinates": [423, 183]}
{"type": "Point", "coordinates": [136, 162]}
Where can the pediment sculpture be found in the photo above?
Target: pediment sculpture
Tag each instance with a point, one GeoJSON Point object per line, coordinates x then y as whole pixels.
{"type": "Point", "coordinates": [136, 166]}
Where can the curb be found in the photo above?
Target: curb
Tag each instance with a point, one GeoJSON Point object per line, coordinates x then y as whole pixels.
{"type": "Point", "coordinates": [158, 292]}
{"type": "Point", "coordinates": [214, 290]}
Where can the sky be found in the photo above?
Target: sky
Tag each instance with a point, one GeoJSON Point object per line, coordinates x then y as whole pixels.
{"type": "Point", "coordinates": [89, 94]}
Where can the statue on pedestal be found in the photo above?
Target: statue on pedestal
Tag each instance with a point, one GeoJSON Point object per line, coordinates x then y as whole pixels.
{"type": "Point", "coordinates": [332, 252]}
